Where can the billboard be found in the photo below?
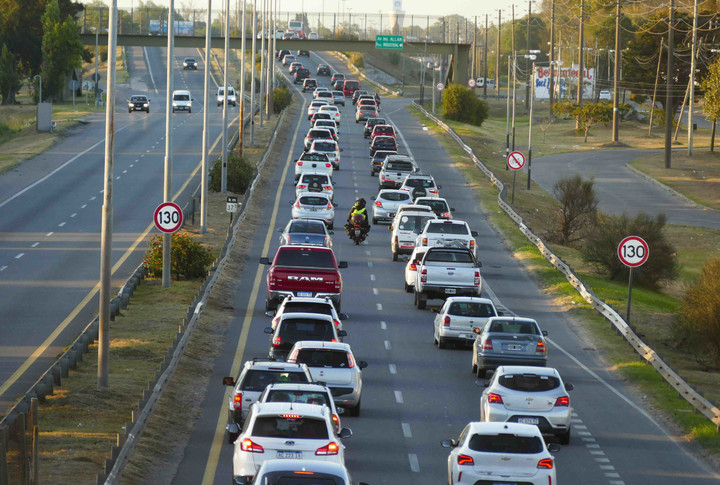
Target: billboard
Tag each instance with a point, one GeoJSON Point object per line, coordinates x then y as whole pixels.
{"type": "Point", "coordinates": [159, 27]}
{"type": "Point", "coordinates": [565, 82]}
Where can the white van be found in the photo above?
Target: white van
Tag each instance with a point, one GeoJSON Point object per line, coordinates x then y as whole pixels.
{"type": "Point", "coordinates": [231, 97]}
{"type": "Point", "coordinates": [182, 101]}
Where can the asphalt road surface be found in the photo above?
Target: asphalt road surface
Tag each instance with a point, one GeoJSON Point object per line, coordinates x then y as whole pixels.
{"type": "Point", "coordinates": [50, 217]}
{"type": "Point", "coordinates": [414, 394]}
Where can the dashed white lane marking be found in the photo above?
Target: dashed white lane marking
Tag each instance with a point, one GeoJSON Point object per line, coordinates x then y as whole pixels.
{"type": "Point", "coordinates": [136, 161]}
{"type": "Point", "coordinates": [602, 460]}
{"type": "Point", "coordinates": [387, 345]}
{"type": "Point", "coordinates": [117, 178]}
{"type": "Point", "coordinates": [414, 465]}
{"type": "Point", "coordinates": [406, 430]}
{"type": "Point", "coordinates": [592, 445]}
{"type": "Point", "coordinates": [83, 206]}
{"type": "Point", "coordinates": [612, 475]}
{"type": "Point", "coordinates": [103, 190]}
{"type": "Point", "coordinates": [124, 171]}
{"type": "Point", "coordinates": [73, 214]}
{"type": "Point", "coordinates": [370, 264]}
{"type": "Point", "coordinates": [383, 325]}
{"type": "Point", "coordinates": [399, 397]}
{"type": "Point", "coordinates": [372, 276]}
{"type": "Point", "coordinates": [597, 452]}
{"type": "Point", "coordinates": [34, 245]}
{"type": "Point", "coordinates": [379, 306]}
{"type": "Point", "coordinates": [3, 268]}
{"type": "Point", "coordinates": [61, 224]}
{"type": "Point", "coordinates": [93, 198]}
{"type": "Point", "coordinates": [131, 165]}
{"type": "Point", "coordinates": [392, 369]}
{"type": "Point", "coordinates": [375, 291]}
{"type": "Point", "coordinates": [20, 255]}
{"type": "Point", "coordinates": [49, 234]}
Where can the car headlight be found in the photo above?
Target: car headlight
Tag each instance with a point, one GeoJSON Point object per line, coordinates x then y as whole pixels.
{"type": "Point", "coordinates": [130, 105]}
{"type": "Point", "coordinates": [145, 105]}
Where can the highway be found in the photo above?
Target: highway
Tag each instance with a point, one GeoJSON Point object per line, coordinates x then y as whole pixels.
{"type": "Point", "coordinates": [414, 394]}
{"type": "Point", "coordinates": [51, 216]}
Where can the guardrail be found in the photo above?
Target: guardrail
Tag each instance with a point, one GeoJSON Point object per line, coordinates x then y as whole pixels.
{"type": "Point", "coordinates": [685, 390]}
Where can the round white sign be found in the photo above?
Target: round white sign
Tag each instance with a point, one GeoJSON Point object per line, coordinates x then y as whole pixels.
{"type": "Point", "coordinates": [168, 217]}
{"type": "Point", "coordinates": [633, 251]}
{"type": "Point", "coordinates": [516, 160]}
{"type": "Point", "coordinates": [440, 86]}
{"type": "Point", "coordinates": [471, 82]}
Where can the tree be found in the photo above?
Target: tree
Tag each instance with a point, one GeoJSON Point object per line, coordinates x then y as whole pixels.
{"type": "Point", "coordinates": [710, 84]}
{"type": "Point", "coordinates": [9, 78]}
{"type": "Point", "coordinates": [461, 104]}
{"type": "Point", "coordinates": [61, 48]}
{"type": "Point", "coordinates": [578, 207]}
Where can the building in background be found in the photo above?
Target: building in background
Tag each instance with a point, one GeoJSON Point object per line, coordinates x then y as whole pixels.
{"type": "Point", "coordinates": [397, 15]}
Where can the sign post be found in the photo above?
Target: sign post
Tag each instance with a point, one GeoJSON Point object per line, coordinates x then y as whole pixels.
{"type": "Point", "coordinates": [232, 206]}
{"type": "Point", "coordinates": [633, 251]}
{"type": "Point", "coordinates": [389, 41]}
{"type": "Point", "coordinates": [168, 218]}
{"type": "Point", "coordinates": [515, 161]}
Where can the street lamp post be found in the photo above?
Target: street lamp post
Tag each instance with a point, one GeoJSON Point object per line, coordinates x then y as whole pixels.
{"type": "Point", "coordinates": [532, 97]}
{"type": "Point", "coordinates": [38, 76]}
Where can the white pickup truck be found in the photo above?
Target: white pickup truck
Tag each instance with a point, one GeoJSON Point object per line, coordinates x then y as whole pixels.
{"type": "Point", "coordinates": [444, 272]}
{"type": "Point", "coordinates": [447, 233]}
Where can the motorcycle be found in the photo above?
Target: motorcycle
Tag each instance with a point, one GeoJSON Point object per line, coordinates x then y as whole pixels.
{"type": "Point", "coordinates": [356, 230]}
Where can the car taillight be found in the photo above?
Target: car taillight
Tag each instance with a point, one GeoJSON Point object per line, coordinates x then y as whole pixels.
{"type": "Point", "coordinates": [382, 177]}
{"type": "Point", "coordinates": [487, 345]}
{"type": "Point", "coordinates": [336, 420]}
{"type": "Point", "coordinates": [465, 460]}
{"type": "Point", "coordinates": [423, 276]}
{"type": "Point", "coordinates": [397, 241]}
{"type": "Point", "coordinates": [432, 191]}
{"type": "Point", "coordinates": [563, 401]}
{"type": "Point", "coordinates": [276, 341]}
{"type": "Point", "coordinates": [472, 242]}
{"type": "Point", "coordinates": [336, 322]}
{"type": "Point", "coordinates": [248, 445]}
{"type": "Point", "coordinates": [446, 214]}
{"type": "Point", "coordinates": [351, 360]}
{"type": "Point", "coordinates": [378, 203]}
{"type": "Point", "coordinates": [328, 165]}
{"type": "Point", "coordinates": [446, 321]}
{"type": "Point", "coordinates": [424, 241]}
{"type": "Point", "coordinates": [494, 398]}
{"type": "Point", "coordinates": [297, 204]}
{"type": "Point", "coordinates": [237, 400]}
{"type": "Point", "coordinates": [546, 463]}
{"type": "Point", "coordinates": [540, 348]}
{"type": "Point", "coordinates": [413, 267]}
{"type": "Point", "coordinates": [331, 448]}
{"type": "Point", "coordinates": [477, 278]}
{"type": "Point", "coordinates": [302, 186]}
{"type": "Point", "coordinates": [327, 187]}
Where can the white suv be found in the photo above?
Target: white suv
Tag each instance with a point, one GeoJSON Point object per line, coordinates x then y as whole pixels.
{"type": "Point", "coordinates": [329, 148]}
{"type": "Point", "coordinates": [306, 304]}
{"type": "Point", "coordinates": [405, 228]}
{"type": "Point", "coordinates": [312, 163]}
{"type": "Point", "coordinates": [287, 431]}
{"type": "Point", "coordinates": [448, 233]}
{"type": "Point", "coordinates": [318, 394]}
{"type": "Point", "coordinates": [231, 98]}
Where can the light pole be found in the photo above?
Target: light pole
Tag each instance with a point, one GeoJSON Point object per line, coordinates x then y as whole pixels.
{"type": "Point", "coordinates": [38, 76]}
{"type": "Point", "coordinates": [433, 66]}
{"type": "Point", "coordinates": [532, 57]}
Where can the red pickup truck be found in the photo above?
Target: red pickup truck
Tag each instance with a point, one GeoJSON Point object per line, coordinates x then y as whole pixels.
{"type": "Point", "coordinates": [308, 271]}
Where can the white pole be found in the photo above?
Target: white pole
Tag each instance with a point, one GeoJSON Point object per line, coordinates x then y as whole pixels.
{"type": "Point", "coordinates": [262, 60]}
{"type": "Point", "coordinates": [532, 97]}
{"type": "Point", "coordinates": [691, 105]}
{"type": "Point", "coordinates": [241, 141]}
{"type": "Point", "coordinates": [226, 67]}
{"type": "Point", "coordinates": [167, 186]}
{"type": "Point", "coordinates": [206, 111]}
{"type": "Point", "coordinates": [252, 74]}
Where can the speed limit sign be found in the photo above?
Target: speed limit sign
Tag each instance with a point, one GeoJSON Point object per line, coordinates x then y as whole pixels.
{"type": "Point", "coordinates": [633, 251]}
{"type": "Point", "coordinates": [168, 217]}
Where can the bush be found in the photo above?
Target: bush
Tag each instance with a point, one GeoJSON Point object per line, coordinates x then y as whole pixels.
{"type": "Point", "coordinates": [394, 58]}
{"type": "Point", "coordinates": [188, 258]}
{"type": "Point", "coordinates": [578, 208]}
{"type": "Point", "coordinates": [461, 104]}
{"type": "Point", "coordinates": [356, 59]}
{"type": "Point", "coordinates": [240, 173]}
{"type": "Point", "coordinates": [698, 324]}
{"type": "Point", "coordinates": [281, 99]}
{"type": "Point", "coordinates": [601, 242]}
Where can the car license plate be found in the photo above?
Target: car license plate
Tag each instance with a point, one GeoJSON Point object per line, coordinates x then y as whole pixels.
{"type": "Point", "coordinates": [514, 347]}
{"type": "Point", "coordinates": [528, 420]}
{"type": "Point", "coordinates": [450, 291]}
{"type": "Point", "coordinates": [465, 335]}
{"type": "Point", "coordinates": [305, 293]}
{"type": "Point", "coordinates": [289, 454]}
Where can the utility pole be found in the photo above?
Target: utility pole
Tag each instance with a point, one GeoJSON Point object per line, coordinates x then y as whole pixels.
{"type": "Point", "coordinates": [507, 116]}
{"type": "Point", "coordinates": [475, 50]}
{"type": "Point", "coordinates": [616, 86]}
{"type": "Point", "coordinates": [514, 92]}
{"type": "Point", "coordinates": [252, 74]}
{"type": "Point", "coordinates": [485, 58]}
{"type": "Point", "coordinates": [226, 64]}
{"type": "Point", "coordinates": [262, 61]}
{"type": "Point", "coordinates": [206, 114]}
{"type": "Point", "coordinates": [527, 49]}
{"type": "Point", "coordinates": [551, 85]}
{"type": "Point", "coordinates": [691, 104]}
{"type": "Point", "coordinates": [669, 116]}
{"type": "Point", "coordinates": [167, 185]}
{"type": "Point", "coordinates": [657, 76]}
{"type": "Point", "coordinates": [581, 64]}
{"type": "Point", "coordinates": [532, 96]}
{"type": "Point", "coordinates": [243, 33]}
{"type": "Point", "coordinates": [497, 57]}
{"type": "Point", "coordinates": [107, 208]}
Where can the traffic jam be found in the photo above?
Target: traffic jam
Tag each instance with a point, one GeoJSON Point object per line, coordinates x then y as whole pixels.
{"type": "Point", "coordinates": [287, 413]}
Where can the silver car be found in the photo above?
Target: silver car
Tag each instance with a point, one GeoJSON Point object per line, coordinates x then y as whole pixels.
{"type": "Point", "coordinates": [508, 341]}
{"type": "Point", "coordinates": [386, 204]}
{"type": "Point", "coordinates": [457, 318]}
{"type": "Point", "coordinates": [313, 205]}
{"type": "Point", "coordinates": [334, 364]}
{"type": "Point", "coordinates": [317, 394]}
{"type": "Point", "coordinates": [306, 232]}
{"type": "Point", "coordinates": [528, 395]}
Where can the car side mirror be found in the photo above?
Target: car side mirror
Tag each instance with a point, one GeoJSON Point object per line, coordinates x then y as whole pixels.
{"type": "Point", "coordinates": [479, 264]}
{"type": "Point", "coordinates": [569, 387]}
{"type": "Point", "coordinates": [500, 313]}
{"type": "Point", "coordinates": [342, 333]}
{"type": "Point", "coordinates": [345, 433]}
{"type": "Point", "coordinates": [279, 229]}
{"type": "Point", "coordinates": [342, 150]}
{"type": "Point", "coordinates": [268, 330]}
{"type": "Point", "coordinates": [343, 316]}
{"type": "Point", "coordinates": [439, 186]}
{"type": "Point", "coordinates": [545, 333]}
{"type": "Point", "coordinates": [554, 447]}
{"type": "Point", "coordinates": [228, 381]}
{"type": "Point", "coordinates": [362, 364]}
{"type": "Point", "coordinates": [264, 261]}
{"type": "Point", "coordinates": [332, 233]}
{"type": "Point", "coordinates": [452, 209]}
{"type": "Point", "coordinates": [342, 264]}
{"type": "Point", "coordinates": [390, 228]}
{"type": "Point", "coordinates": [435, 310]}
{"type": "Point", "coordinates": [448, 443]}
{"type": "Point", "coordinates": [270, 313]}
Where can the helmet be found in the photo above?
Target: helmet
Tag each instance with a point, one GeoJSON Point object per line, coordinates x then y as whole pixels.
{"type": "Point", "coordinates": [360, 203]}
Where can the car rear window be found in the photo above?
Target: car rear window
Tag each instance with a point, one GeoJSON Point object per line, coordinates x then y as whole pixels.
{"type": "Point", "coordinates": [449, 256]}
{"type": "Point", "coordinates": [395, 196]}
{"type": "Point", "coordinates": [529, 382]}
{"type": "Point", "coordinates": [312, 178]}
{"type": "Point", "coordinates": [384, 129]}
{"type": "Point", "coordinates": [325, 147]}
{"type": "Point", "coordinates": [443, 228]}
{"type": "Point", "coordinates": [290, 427]}
{"type": "Point", "coordinates": [425, 183]}
{"type": "Point", "coordinates": [314, 157]}
{"type": "Point", "coordinates": [400, 166]}
{"type": "Point", "coordinates": [413, 223]}
{"type": "Point", "coordinates": [337, 359]}
{"type": "Point", "coordinates": [324, 94]}
{"type": "Point", "coordinates": [367, 108]}
{"type": "Point", "coordinates": [352, 85]}
{"type": "Point", "coordinates": [338, 94]}
{"type": "Point", "coordinates": [509, 326]}
{"type": "Point", "coordinates": [307, 307]}
{"type": "Point", "coordinates": [258, 380]}
{"type": "Point", "coordinates": [307, 227]}
{"type": "Point", "coordinates": [322, 116]}
{"type": "Point", "coordinates": [437, 206]}
{"type": "Point", "coordinates": [305, 258]}
{"type": "Point", "coordinates": [471, 309]}
{"type": "Point", "coordinates": [306, 397]}
{"type": "Point", "coordinates": [317, 104]}
{"type": "Point", "coordinates": [505, 443]}
{"type": "Point", "coordinates": [313, 200]}
{"type": "Point", "coordinates": [317, 133]}
{"type": "Point", "coordinates": [296, 329]}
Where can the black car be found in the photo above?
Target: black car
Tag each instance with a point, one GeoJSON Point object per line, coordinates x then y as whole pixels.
{"type": "Point", "coordinates": [377, 159]}
{"type": "Point", "coordinates": [357, 94]}
{"type": "Point", "coordinates": [370, 124]}
{"type": "Point", "coordinates": [301, 74]}
{"type": "Point", "coordinates": [138, 103]}
{"type": "Point", "coordinates": [323, 70]}
{"type": "Point", "coordinates": [309, 84]}
{"type": "Point", "coordinates": [282, 53]}
{"type": "Point", "coordinates": [190, 63]}
{"type": "Point", "coordinates": [383, 143]}
{"type": "Point", "coordinates": [303, 53]}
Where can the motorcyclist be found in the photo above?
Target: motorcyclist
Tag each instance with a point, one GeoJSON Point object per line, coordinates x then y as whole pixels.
{"type": "Point", "coordinates": [358, 209]}
{"type": "Point", "coordinates": [377, 99]}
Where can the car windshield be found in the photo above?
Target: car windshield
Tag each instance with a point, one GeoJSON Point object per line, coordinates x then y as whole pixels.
{"type": "Point", "coordinates": [471, 309]}
{"type": "Point", "coordinates": [138, 99]}
{"type": "Point", "coordinates": [505, 443]}
{"type": "Point", "coordinates": [290, 426]}
{"type": "Point", "coordinates": [314, 200]}
{"type": "Point", "coordinates": [337, 359]}
{"type": "Point", "coordinates": [438, 206]}
{"type": "Point", "coordinates": [306, 397]}
{"type": "Point", "coordinates": [315, 178]}
{"type": "Point", "coordinates": [395, 196]}
{"type": "Point", "coordinates": [413, 223]}
{"type": "Point", "coordinates": [424, 183]}
{"type": "Point", "coordinates": [529, 382]}
{"type": "Point", "coordinates": [296, 329]}
{"type": "Point", "coordinates": [305, 258]}
{"type": "Point", "coordinates": [512, 326]}
{"type": "Point", "coordinates": [189, 59]}
{"type": "Point", "coordinates": [307, 227]}
{"type": "Point", "coordinates": [324, 147]}
{"type": "Point", "coordinates": [181, 97]}
{"type": "Point", "coordinates": [399, 166]}
{"type": "Point", "coordinates": [449, 257]}
{"type": "Point", "coordinates": [443, 228]}
{"type": "Point", "coordinates": [258, 380]}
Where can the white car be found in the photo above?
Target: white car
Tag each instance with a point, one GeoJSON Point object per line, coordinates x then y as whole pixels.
{"type": "Point", "coordinates": [419, 185]}
{"type": "Point", "coordinates": [334, 364]}
{"type": "Point", "coordinates": [294, 66]}
{"type": "Point", "coordinates": [500, 453]}
{"type": "Point", "coordinates": [319, 89]}
{"type": "Point", "coordinates": [458, 317]}
{"type": "Point", "coordinates": [313, 36]}
{"type": "Point", "coordinates": [182, 101]}
{"type": "Point", "coordinates": [314, 106]}
{"type": "Point", "coordinates": [386, 204]}
{"type": "Point", "coordinates": [329, 148]}
{"type": "Point", "coordinates": [280, 430]}
{"type": "Point", "coordinates": [332, 110]}
{"type": "Point", "coordinates": [325, 96]}
{"type": "Point", "coordinates": [405, 228]}
{"type": "Point", "coordinates": [411, 268]}
{"type": "Point", "coordinates": [439, 206]}
{"type": "Point", "coordinates": [307, 304]}
{"type": "Point", "coordinates": [310, 393]}
{"type": "Point", "coordinates": [314, 205]}
{"type": "Point", "coordinates": [528, 395]}
{"type": "Point", "coordinates": [314, 163]}
{"type": "Point", "coordinates": [448, 233]}
{"type": "Point", "coordinates": [303, 472]}
{"type": "Point", "coordinates": [605, 96]}
{"type": "Point", "coordinates": [231, 97]}
{"type": "Point", "coordinates": [288, 59]}
{"type": "Point", "coordinates": [326, 123]}
{"type": "Point", "coordinates": [317, 134]}
{"type": "Point", "coordinates": [315, 183]}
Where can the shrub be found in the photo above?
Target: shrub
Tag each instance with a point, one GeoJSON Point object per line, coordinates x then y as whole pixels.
{"type": "Point", "coordinates": [281, 99]}
{"type": "Point", "coordinates": [394, 58]}
{"type": "Point", "coordinates": [698, 324]}
{"type": "Point", "coordinates": [188, 258]}
{"type": "Point", "coordinates": [356, 59]}
{"type": "Point", "coordinates": [601, 242]}
{"type": "Point", "coordinates": [461, 104]}
{"type": "Point", "coordinates": [240, 173]}
{"type": "Point", "coordinates": [578, 208]}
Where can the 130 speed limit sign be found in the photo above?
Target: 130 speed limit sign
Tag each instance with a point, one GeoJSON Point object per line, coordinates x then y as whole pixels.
{"type": "Point", "coordinates": [168, 217]}
{"type": "Point", "coordinates": [633, 251]}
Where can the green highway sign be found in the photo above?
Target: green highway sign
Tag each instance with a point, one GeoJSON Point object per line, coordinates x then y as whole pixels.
{"type": "Point", "coordinates": [388, 41]}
